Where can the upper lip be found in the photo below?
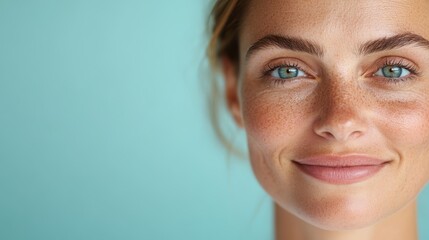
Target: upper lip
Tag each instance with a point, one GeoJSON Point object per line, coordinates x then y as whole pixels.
{"type": "Point", "coordinates": [340, 161]}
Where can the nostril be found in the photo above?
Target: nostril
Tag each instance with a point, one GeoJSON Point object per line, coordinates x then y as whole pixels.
{"type": "Point", "coordinates": [356, 134]}
{"type": "Point", "coordinates": [340, 131]}
{"type": "Point", "coordinates": [340, 134]}
{"type": "Point", "coordinates": [327, 135]}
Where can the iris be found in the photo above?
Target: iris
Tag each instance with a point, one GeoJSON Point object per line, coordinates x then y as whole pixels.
{"type": "Point", "coordinates": [286, 72]}
{"type": "Point", "coordinates": [392, 71]}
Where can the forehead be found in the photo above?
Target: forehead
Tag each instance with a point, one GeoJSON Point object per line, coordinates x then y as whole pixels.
{"type": "Point", "coordinates": [334, 21]}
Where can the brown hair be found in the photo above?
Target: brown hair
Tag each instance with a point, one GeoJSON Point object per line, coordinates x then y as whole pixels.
{"type": "Point", "coordinates": [225, 17]}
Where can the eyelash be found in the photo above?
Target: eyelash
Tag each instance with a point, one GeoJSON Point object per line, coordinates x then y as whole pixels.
{"type": "Point", "coordinates": [400, 63]}
{"type": "Point", "coordinates": [279, 81]}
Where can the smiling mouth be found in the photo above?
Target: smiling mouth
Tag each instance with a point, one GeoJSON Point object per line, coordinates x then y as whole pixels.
{"type": "Point", "coordinates": [340, 170]}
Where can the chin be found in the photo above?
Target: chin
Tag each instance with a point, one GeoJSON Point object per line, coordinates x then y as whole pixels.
{"type": "Point", "coordinates": [338, 215]}
{"type": "Point", "coordinates": [340, 223]}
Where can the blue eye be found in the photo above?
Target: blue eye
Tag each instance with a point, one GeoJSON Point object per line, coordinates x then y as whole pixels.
{"type": "Point", "coordinates": [392, 71]}
{"type": "Point", "coordinates": [287, 72]}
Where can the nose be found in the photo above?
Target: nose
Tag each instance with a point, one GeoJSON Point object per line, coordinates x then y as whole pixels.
{"type": "Point", "coordinates": [342, 115]}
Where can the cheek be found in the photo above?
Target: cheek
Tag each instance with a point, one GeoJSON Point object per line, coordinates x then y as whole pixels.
{"type": "Point", "coordinates": [273, 120]}
{"type": "Point", "coordinates": [406, 123]}
{"type": "Point", "coordinates": [406, 127]}
{"type": "Point", "coordinates": [274, 126]}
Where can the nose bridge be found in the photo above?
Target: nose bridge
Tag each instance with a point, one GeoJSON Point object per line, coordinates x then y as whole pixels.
{"type": "Point", "coordinates": [340, 116]}
{"type": "Point", "coordinates": [340, 101]}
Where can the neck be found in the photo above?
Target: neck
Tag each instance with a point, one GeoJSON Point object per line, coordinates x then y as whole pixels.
{"type": "Point", "coordinates": [401, 225]}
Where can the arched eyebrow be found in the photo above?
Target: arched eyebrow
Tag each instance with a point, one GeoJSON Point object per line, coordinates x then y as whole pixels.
{"type": "Point", "coordinates": [303, 45]}
{"type": "Point", "coordinates": [393, 42]}
{"type": "Point", "coordinates": [285, 42]}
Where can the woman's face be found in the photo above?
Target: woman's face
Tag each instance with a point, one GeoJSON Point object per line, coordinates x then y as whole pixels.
{"type": "Point", "coordinates": [329, 83]}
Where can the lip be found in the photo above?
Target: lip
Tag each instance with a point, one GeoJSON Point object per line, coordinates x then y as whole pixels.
{"type": "Point", "coordinates": [340, 169]}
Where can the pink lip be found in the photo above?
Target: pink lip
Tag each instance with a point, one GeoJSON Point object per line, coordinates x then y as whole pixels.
{"type": "Point", "coordinates": [340, 169]}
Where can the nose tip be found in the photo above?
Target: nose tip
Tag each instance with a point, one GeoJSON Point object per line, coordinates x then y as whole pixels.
{"type": "Point", "coordinates": [335, 129]}
{"type": "Point", "coordinates": [341, 119]}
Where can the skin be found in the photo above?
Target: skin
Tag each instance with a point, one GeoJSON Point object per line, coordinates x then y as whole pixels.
{"type": "Point", "coordinates": [339, 107]}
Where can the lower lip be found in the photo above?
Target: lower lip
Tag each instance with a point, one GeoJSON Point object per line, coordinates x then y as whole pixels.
{"type": "Point", "coordinates": [341, 175]}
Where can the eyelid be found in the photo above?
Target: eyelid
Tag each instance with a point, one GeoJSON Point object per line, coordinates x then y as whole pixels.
{"type": "Point", "coordinates": [291, 62]}
{"type": "Point", "coordinates": [394, 61]}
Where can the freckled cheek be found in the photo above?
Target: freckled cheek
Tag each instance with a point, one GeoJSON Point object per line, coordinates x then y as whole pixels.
{"type": "Point", "coordinates": [407, 128]}
{"type": "Point", "coordinates": [272, 122]}
{"type": "Point", "coordinates": [407, 125]}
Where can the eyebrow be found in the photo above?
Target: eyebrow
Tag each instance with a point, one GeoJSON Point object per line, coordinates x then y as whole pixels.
{"type": "Point", "coordinates": [302, 45]}
{"type": "Point", "coordinates": [285, 42]}
{"type": "Point", "coordinates": [393, 42]}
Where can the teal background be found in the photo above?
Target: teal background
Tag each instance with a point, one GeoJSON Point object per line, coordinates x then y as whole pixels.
{"type": "Point", "coordinates": [104, 132]}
